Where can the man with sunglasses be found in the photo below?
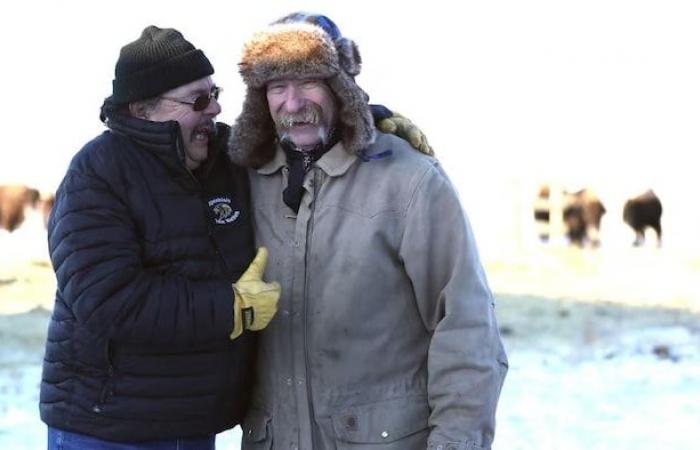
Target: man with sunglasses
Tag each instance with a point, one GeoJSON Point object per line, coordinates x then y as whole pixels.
{"type": "Point", "coordinates": [148, 345]}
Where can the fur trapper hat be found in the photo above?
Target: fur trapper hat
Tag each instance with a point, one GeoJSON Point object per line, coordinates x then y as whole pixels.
{"type": "Point", "coordinates": [299, 45]}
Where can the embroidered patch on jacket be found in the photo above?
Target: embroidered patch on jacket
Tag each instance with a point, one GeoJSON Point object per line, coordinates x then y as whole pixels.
{"type": "Point", "coordinates": [223, 211]}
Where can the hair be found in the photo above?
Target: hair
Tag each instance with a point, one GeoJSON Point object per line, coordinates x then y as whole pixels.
{"type": "Point", "coordinates": [110, 108]}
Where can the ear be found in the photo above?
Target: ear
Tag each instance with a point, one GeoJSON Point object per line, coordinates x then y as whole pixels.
{"type": "Point", "coordinates": [138, 110]}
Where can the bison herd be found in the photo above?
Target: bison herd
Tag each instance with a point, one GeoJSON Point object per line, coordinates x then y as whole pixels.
{"type": "Point", "coordinates": [579, 215]}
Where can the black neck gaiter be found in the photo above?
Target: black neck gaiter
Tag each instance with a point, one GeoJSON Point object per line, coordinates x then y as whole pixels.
{"type": "Point", "coordinates": [299, 162]}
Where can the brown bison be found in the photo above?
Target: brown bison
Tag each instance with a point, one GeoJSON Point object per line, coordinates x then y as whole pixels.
{"type": "Point", "coordinates": [46, 205]}
{"type": "Point", "coordinates": [14, 199]}
{"type": "Point", "coordinates": [642, 212]}
{"type": "Point", "coordinates": [580, 214]}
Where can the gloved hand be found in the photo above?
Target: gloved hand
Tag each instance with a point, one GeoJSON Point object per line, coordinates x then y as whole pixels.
{"type": "Point", "coordinates": [406, 130]}
{"type": "Point", "coordinates": [396, 124]}
{"type": "Point", "coordinates": [255, 301]}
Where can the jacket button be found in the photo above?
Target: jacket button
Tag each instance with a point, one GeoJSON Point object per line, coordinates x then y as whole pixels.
{"type": "Point", "coordinates": [385, 434]}
{"type": "Point", "coordinates": [96, 409]}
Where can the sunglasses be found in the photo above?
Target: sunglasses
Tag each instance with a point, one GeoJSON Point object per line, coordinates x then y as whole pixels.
{"type": "Point", "coordinates": [202, 101]}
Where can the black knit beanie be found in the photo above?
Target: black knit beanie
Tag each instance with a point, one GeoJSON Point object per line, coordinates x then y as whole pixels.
{"type": "Point", "coordinates": [160, 60]}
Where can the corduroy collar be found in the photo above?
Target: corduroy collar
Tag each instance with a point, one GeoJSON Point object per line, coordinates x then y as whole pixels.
{"type": "Point", "coordinates": [334, 163]}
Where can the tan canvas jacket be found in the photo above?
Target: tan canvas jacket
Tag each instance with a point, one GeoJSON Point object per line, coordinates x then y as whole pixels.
{"type": "Point", "coordinates": [385, 336]}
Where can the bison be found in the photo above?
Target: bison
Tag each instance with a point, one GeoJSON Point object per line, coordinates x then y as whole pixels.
{"type": "Point", "coordinates": [541, 209]}
{"type": "Point", "coordinates": [46, 205]}
{"type": "Point", "coordinates": [14, 199]}
{"type": "Point", "coordinates": [642, 212]}
{"type": "Point", "coordinates": [580, 213]}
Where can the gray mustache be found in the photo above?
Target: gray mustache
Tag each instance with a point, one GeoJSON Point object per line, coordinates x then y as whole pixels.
{"type": "Point", "coordinates": [310, 114]}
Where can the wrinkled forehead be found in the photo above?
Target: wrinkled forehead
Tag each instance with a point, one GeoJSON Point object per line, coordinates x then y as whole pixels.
{"type": "Point", "coordinates": [298, 79]}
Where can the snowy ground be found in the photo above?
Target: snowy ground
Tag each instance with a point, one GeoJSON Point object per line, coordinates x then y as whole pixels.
{"type": "Point", "coordinates": [601, 371]}
{"type": "Point", "coordinates": [605, 377]}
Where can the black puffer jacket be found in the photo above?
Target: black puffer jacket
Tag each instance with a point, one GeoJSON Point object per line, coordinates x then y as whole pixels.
{"type": "Point", "coordinates": [145, 253]}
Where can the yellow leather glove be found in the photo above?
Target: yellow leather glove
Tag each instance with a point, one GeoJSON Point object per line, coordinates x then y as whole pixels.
{"type": "Point", "coordinates": [405, 129]}
{"type": "Point", "coordinates": [255, 301]}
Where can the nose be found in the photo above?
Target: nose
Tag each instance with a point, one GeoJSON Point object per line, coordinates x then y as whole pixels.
{"type": "Point", "coordinates": [214, 107]}
{"type": "Point", "coordinates": [293, 102]}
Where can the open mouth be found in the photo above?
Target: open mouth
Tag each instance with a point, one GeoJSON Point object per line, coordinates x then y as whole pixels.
{"type": "Point", "coordinates": [291, 122]}
{"type": "Point", "coordinates": [202, 133]}
{"type": "Point", "coordinates": [303, 124]}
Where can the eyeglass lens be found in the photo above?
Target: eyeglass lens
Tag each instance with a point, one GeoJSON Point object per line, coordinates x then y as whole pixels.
{"type": "Point", "coordinates": [202, 102]}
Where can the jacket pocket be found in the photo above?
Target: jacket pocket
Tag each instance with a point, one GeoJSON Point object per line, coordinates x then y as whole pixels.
{"type": "Point", "coordinates": [398, 424]}
{"type": "Point", "coordinates": [257, 432]}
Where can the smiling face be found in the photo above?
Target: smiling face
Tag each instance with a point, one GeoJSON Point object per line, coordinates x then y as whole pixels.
{"type": "Point", "coordinates": [196, 127]}
{"type": "Point", "coordinates": [304, 111]}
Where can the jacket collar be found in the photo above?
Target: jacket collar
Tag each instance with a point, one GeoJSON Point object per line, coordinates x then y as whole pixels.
{"type": "Point", "coordinates": [334, 163]}
{"type": "Point", "coordinates": [337, 160]}
{"type": "Point", "coordinates": [275, 164]}
{"type": "Point", "coordinates": [163, 140]}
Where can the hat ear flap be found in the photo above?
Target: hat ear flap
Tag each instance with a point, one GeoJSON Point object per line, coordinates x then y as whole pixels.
{"type": "Point", "coordinates": [349, 56]}
{"type": "Point", "coordinates": [252, 141]}
{"type": "Point", "coordinates": [357, 124]}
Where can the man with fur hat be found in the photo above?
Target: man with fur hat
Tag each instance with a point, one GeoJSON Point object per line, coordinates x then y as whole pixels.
{"type": "Point", "coordinates": [386, 335]}
{"type": "Point", "coordinates": [148, 345]}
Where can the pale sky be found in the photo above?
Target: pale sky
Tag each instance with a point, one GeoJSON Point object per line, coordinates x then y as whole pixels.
{"type": "Point", "coordinates": [510, 93]}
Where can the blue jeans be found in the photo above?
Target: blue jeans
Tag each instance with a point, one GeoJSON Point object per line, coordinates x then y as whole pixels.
{"type": "Point", "coordinates": [65, 440]}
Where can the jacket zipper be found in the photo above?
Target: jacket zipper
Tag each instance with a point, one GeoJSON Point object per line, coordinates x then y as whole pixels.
{"type": "Point", "coordinates": [310, 228]}
{"type": "Point", "coordinates": [107, 387]}
{"type": "Point", "coordinates": [205, 206]}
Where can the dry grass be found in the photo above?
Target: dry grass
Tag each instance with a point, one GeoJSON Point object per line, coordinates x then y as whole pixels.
{"type": "Point", "coordinates": [577, 294]}
{"type": "Point", "coordinates": [641, 277]}
{"type": "Point", "coordinates": [25, 285]}
{"type": "Point", "coordinates": [583, 298]}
